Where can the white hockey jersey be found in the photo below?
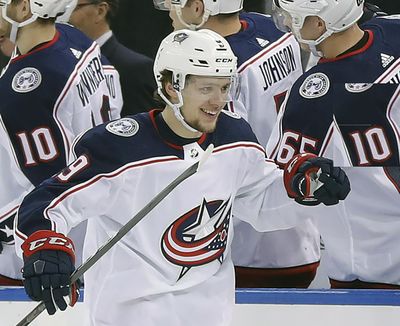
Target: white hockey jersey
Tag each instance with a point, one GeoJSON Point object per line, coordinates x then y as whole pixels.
{"type": "Point", "coordinates": [48, 97]}
{"type": "Point", "coordinates": [174, 267]}
{"type": "Point", "coordinates": [269, 62]}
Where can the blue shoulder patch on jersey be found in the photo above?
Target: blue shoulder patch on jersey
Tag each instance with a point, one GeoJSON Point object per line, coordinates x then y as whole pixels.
{"type": "Point", "coordinates": [113, 141]}
{"type": "Point", "coordinates": [230, 129]}
{"type": "Point", "coordinates": [135, 138]}
{"type": "Point", "coordinates": [369, 63]}
{"type": "Point", "coordinates": [74, 37]}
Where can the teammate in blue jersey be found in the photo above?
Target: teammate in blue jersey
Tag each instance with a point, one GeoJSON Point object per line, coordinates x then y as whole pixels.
{"type": "Point", "coordinates": [347, 108]}
{"type": "Point", "coordinates": [269, 62]}
{"type": "Point", "coordinates": [55, 87]}
{"type": "Point", "coordinates": [177, 259]}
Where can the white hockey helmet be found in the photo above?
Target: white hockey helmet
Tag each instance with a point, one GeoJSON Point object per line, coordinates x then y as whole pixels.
{"type": "Point", "coordinates": [40, 9]}
{"type": "Point", "coordinates": [65, 17]}
{"type": "Point", "coordinates": [187, 52]}
{"type": "Point", "coordinates": [338, 15]}
{"type": "Point", "coordinates": [211, 8]}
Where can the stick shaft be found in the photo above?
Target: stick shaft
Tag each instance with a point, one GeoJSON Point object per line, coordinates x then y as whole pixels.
{"type": "Point", "coordinates": [110, 243]}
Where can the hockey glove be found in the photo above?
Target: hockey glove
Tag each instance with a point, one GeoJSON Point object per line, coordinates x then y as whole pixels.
{"type": "Point", "coordinates": [48, 264]}
{"type": "Point", "coordinates": [312, 180]}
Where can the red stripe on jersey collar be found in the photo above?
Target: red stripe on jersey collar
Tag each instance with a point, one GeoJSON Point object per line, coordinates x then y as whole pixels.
{"type": "Point", "coordinates": [153, 113]}
{"type": "Point", "coordinates": [40, 48]}
{"type": "Point", "coordinates": [245, 25]}
{"type": "Point", "coordinates": [355, 52]}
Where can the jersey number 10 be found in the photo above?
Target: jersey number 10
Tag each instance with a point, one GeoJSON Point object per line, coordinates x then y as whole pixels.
{"type": "Point", "coordinates": [44, 143]}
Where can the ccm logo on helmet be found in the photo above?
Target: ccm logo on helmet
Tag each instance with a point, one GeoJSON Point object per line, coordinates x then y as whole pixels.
{"type": "Point", "coordinates": [224, 60]}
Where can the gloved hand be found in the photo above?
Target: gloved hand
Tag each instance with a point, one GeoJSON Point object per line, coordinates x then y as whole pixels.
{"type": "Point", "coordinates": [312, 180]}
{"type": "Point", "coordinates": [48, 264]}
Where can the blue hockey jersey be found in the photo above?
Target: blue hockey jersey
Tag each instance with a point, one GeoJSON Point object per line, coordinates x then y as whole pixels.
{"type": "Point", "coordinates": [48, 96]}
{"type": "Point", "coordinates": [348, 109]}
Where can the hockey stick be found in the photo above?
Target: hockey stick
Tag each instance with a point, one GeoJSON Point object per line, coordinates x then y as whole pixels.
{"type": "Point", "coordinates": [124, 230]}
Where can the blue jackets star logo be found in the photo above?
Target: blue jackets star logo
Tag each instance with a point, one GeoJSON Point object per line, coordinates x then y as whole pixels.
{"type": "Point", "coordinates": [199, 236]}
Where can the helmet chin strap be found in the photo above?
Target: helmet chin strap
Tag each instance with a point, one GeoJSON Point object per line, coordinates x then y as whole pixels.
{"type": "Point", "coordinates": [314, 51]}
{"type": "Point", "coordinates": [176, 108]}
{"type": "Point", "coordinates": [193, 27]}
{"type": "Point", "coordinates": [15, 25]}
{"type": "Point", "coordinates": [312, 44]}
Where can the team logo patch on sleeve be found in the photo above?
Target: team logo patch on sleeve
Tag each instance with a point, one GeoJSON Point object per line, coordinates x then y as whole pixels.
{"type": "Point", "coordinates": [26, 80]}
{"type": "Point", "coordinates": [125, 127]}
{"type": "Point", "coordinates": [357, 87]}
{"type": "Point", "coordinates": [180, 37]}
{"type": "Point", "coordinates": [315, 85]}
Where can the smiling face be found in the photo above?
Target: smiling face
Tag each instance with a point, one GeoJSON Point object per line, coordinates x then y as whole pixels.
{"type": "Point", "coordinates": [203, 100]}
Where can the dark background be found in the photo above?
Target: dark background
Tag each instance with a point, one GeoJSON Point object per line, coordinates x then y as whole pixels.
{"type": "Point", "coordinates": [141, 27]}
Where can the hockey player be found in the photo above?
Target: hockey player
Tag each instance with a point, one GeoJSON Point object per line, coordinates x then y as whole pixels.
{"type": "Point", "coordinates": [53, 89]}
{"type": "Point", "coordinates": [347, 108]}
{"type": "Point", "coordinates": [177, 259]}
{"type": "Point", "coordinates": [269, 62]}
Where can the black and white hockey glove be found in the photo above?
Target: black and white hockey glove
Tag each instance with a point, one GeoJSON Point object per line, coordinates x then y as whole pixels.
{"type": "Point", "coordinates": [48, 264]}
{"type": "Point", "coordinates": [312, 180]}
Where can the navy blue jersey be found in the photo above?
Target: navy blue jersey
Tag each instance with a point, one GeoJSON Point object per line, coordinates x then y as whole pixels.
{"type": "Point", "coordinates": [48, 96]}
{"type": "Point", "coordinates": [259, 31]}
{"type": "Point", "coordinates": [347, 108]}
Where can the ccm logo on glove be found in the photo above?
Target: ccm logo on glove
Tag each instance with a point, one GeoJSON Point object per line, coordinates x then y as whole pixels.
{"type": "Point", "coordinates": [48, 264]}
{"type": "Point", "coordinates": [47, 240]}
